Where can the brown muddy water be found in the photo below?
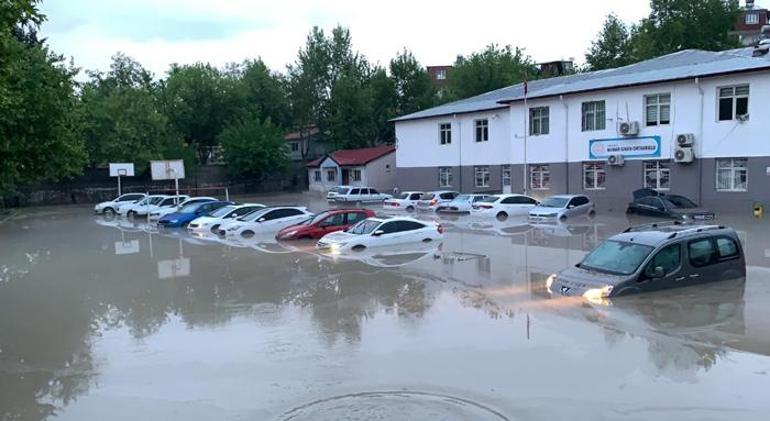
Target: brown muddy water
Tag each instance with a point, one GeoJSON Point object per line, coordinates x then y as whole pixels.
{"type": "Point", "coordinates": [112, 320]}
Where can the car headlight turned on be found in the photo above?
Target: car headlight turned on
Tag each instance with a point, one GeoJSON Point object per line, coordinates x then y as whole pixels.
{"type": "Point", "coordinates": [597, 295]}
{"type": "Point", "coordinates": [549, 282]}
{"type": "Point", "coordinates": [685, 217]}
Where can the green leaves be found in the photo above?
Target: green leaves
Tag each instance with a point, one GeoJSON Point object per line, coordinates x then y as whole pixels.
{"type": "Point", "coordinates": [612, 48]}
{"type": "Point", "coordinates": [493, 68]}
{"type": "Point", "coordinates": [253, 148]}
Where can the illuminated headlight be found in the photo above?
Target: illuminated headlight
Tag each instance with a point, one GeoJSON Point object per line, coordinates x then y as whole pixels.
{"type": "Point", "coordinates": [549, 282]}
{"type": "Point", "coordinates": [685, 217]}
{"type": "Point", "coordinates": [597, 294]}
{"type": "Point", "coordinates": [336, 247]}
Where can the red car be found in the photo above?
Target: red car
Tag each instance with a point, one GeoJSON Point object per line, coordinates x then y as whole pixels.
{"type": "Point", "coordinates": [323, 223]}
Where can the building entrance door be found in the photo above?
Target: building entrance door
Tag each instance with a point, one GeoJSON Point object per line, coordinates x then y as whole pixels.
{"type": "Point", "coordinates": [506, 182]}
{"type": "Point", "coordinates": [345, 177]}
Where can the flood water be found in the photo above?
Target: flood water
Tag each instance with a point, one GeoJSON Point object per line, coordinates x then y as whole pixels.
{"type": "Point", "coordinates": [112, 320]}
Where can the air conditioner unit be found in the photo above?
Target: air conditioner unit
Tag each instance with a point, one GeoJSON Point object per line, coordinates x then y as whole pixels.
{"type": "Point", "coordinates": [628, 128]}
{"type": "Point", "coordinates": [685, 139]}
{"type": "Point", "coordinates": [684, 155]}
{"type": "Point", "coordinates": [616, 160]}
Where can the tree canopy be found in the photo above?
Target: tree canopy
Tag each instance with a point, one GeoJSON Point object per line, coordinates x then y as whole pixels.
{"type": "Point", "coordinates": [492, 68]}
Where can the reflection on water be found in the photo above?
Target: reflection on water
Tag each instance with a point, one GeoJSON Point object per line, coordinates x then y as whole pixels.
{"type": "Point", "coordinates": [68, 281]}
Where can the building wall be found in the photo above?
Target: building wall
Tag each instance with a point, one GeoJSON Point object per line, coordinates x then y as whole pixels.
{"type": "Point", "coordinates": [381, 173]}
{"type": "Point", "coordinates": [694, 105]}
{"type": "Point", "coordinates": [324, 184]}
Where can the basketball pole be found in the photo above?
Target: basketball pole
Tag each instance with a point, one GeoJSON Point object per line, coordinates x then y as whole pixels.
{"type": "Point", "coordinates": [119, 192]}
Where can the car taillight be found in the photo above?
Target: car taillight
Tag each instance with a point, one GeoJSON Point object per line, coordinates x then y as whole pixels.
{"type": "Point", "coordinates": [440, 228]}
{"type": "Point", "coordinates": [433, 202]}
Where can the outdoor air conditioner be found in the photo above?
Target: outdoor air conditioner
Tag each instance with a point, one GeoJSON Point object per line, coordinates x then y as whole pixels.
{"type": "Point", "coordinates": [616, 160]}
{"type": "Point", "coordinates": [684, 155]}
{"type": "Point", "coordinates": [628, 128]}
{"type": "Point", "coordinates": [685, 140]}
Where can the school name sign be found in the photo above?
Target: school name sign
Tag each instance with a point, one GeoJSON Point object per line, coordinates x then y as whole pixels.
{"type": "Point", "coordinates": [634, 147]}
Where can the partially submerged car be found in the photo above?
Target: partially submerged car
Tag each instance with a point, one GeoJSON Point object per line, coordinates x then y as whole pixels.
{"type": "Point", "coordinates": [155, 215]}
{"type": "Point", "coordinates": [359, 195]}
{"type": "Point", "coordinates": [650, 202]}
{"type": "Point", "coordinates": [374, 232]}
{"type": "Point", "coordinates": [504, 205]}
{"type": "Point", "coordinates": [563, 206]}
{"type": "Point", "coordinates": [211, 222]}
{"type": "Point", "coordinates": [265, 221]}
{"type": "Point", "coordinates": [190, 212]}
{"type": "Point", "coordinates": [653, 257]}
{"type": "Point", "coordinates": [404, 201]}
{"type": "Point", "coordinates": [431, 200]}
{"type": "Point", "coordinates": [131, 209]}
{"type": "Point", "coordinates": [461, 204]}
{"type": "Point", "coordinates": [109, 207]}
{"type": "Point", "coordinates": [323, 223]}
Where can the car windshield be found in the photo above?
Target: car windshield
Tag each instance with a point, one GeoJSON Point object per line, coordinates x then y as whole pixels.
{"type": "Point", "coordinates": [252, 216]}
{"type": "Point", "coordinates": [679, 202]}
{"type": "Point", "coordinates": [222, 211]}
{"type": "Point", "coordinates": [340, 190]}
{"type": "Point", "coordinates": [616, 257]}
{"type": "Point", "coordinates": [555, 202]}
{"type": "Point", "coordinates": [191, 208]}
{"type": "Point", "coordinates": [156, 200]}
{"type": "Point", "coordinates": [364, 227]}
{"type": "Point", "coordinates": [463, 198]}
{"type": "Point", "coordinates": [316, 218]}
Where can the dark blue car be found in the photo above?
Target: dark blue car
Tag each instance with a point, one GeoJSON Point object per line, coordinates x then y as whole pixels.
{"type": "Point", "coordinates": [190, 212]}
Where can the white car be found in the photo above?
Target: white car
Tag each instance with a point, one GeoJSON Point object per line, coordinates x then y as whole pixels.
{"type": "Point", "coordinates": [504, 205]}
{"type": "Point", "coordinates": [155, 215]}
{"type": "Point", "coordinates": [404, 201]}
{"type": "Point", "coordinates": [360, 195]}
{"type": "Point", "coordinates": [140, 206]}
{"type": "Point", "coordinates": [109, 207]}
{"type": "Point", "coordinates": [374, 232]}
{"type": "Point", "coordinates": [331, 195]}
{"type": "Point", "coordinates": [432, 200]}
{"type": "Point", "coordinates": [562, 207]}
{"type": "Point", "coordinates": [211, 223]}
{"type": "Point", "coordinates": [169, 203]}
{"type": "Point", "coordinates": [461, 204]}
{"type": "Point", "coordinates": [265, 221]}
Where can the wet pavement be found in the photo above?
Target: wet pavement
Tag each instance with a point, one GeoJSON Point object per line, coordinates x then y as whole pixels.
{"type": "Point", "coordinates": [108, 319]}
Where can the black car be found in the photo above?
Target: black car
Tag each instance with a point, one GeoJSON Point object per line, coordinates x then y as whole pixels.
{"type": "Point", "coordinates": [652, 203]}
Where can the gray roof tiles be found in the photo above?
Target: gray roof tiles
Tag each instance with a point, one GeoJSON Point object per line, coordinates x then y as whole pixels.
{"type": "Point", "coordinates": [677, 66]}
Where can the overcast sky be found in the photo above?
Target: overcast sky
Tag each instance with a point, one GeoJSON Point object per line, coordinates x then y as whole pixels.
{"type": "Point", "coordinates": [160, 32]}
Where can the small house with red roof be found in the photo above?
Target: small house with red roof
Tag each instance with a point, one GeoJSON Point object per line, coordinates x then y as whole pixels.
{"type": "Point", "coordinates": [366, 167]}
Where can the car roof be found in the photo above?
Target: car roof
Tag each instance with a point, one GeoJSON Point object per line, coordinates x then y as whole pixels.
{"type": "Point", "coordinates": [243, 205]}
{"type": "Point", "coordinates": [567, 196]}
{"type": "Point", "coordinates": [442, 191]}
{"type": "Point", "coordinates": [656, 233]}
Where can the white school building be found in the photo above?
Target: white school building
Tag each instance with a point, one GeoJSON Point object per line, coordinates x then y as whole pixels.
{"type": "Point", "coordinates": [695, 123]}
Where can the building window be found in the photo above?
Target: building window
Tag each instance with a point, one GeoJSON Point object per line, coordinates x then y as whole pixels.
{"type": "Point", "coordinates": [331, 174]}
{"type": "Point", "coordinates": [594, 176]}
{"type": "Point", "coordinates": [539, 177]}
{"type": "Point", "coordinates": [657, 109]}
{"type": "Point", "coordinates": [593, 116]}
{"type": "Point", "coordinates": [317, 176]}
{"type": "Point", "coordinates": [732, 174]}
{"type": "Point", "coordinates": [445, 177]}
{"type": "Point", "coordinates": [445, 133]}
{"type": "Point", "coordinates": [733, 102]}
{"type": "Point", "coordinates": [441, 74]}
{"type": "Point", "coordinates": [538, 121]}
{"type": "Point", "coordinates": [506, 175]}
{"type": "Point", "coordinates": [752, 18]}
{"type": "Point", "coordinates": [482, 130]}
{"type": "Point", "coordinates": [356, 175]}
{"type": "Point", "coordinates": [294, 146]}
{"type": "Point", "coordinates": [481, 176]}
{"type": "Point", "coordinates": [657, 175]}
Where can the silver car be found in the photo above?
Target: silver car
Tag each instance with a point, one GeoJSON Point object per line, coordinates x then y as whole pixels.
{"type": "Point", "coordinates": [563, 206]}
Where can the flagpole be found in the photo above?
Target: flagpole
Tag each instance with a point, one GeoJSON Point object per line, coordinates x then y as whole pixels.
{"type": "Point", "coordinates": [526, 114]}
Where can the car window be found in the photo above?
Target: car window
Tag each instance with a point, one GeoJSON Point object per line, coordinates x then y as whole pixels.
{"type": "Point", "coordinates": [446, 196]}
{"type": "Point", "coordinates": [245, 211]}
{"type": "Point", "coordinates": [579, 201]}
{"type": "Point", "coordinates": [727, 247]}
{"type": "Point", "coordinates": [364, 227]}
{"type": "Point", "coordinates": [373, 191]}
{"type": "Point", "coordinates": [648, 201]}
{"type": "Point", "coordinates": [354, 217]}
{"type": "Point", "coordinates": [679, 202]}
{"type": "Point", "coordinates": [130, 197]}
{"type": "Point", "coordinates": [274, 214]}
{"type": "Point", "coordinates": [702, 252]}
{"type": "Point", "coordinates": [389, 227]}
{"type": "Point", "coordinates": [428, 196]}
{"type": "Point", "coordinates": [415, 196]}
{"type": "Point", "coordinates": [479, 198]}
{"type": "Point", "coordinates": [616, 257]}
{"type": "Point", "coordinates": [409, 226]}
{"type": "Point", "coordinates": [518, 200]}
{"type": "Point", "coordinates": [554, 202]}
{"type": "Point", "coordinates": [167, 202]}
{"type": "Point", "coordinates": [334, 220]}
{"type": "Point", "coordinates": [669, 258]}
{"type": "Point", "coordinates": [355, 191]}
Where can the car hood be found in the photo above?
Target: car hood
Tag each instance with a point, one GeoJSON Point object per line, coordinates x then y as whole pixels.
{"type": "Point", "coordinates": [543, 209]}
{"type": "Point", "coordinates": [691, 211]}
{"type": "Point", "coordinates": [296, 228]}
{"type": "Point", "coordinates": [577, 281]}
{"type": "Point", "coordinates": [338, 237]}
{"type": "Point", "coordinates": [175, 215]}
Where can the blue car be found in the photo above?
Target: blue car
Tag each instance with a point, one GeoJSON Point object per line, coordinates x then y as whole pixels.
{"type": "Point", "coordinates": [190, 212]}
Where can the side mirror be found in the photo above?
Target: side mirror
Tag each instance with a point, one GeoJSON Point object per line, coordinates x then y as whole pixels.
{"type": "Point", "coordinates": [657, 273]}
{"type": "Point", "coordinates": [261, 220]}
{"type": "Point", "coordinates": [378, 233]}
{"type": "Point", "coordinates": [570, 206]}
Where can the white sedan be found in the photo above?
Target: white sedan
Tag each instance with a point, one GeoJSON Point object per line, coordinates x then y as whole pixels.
{"type": "Point", "coordinates": [265, 221]}
{"type": "Point", "coordinates": [504, 205]}
{"type": "Point", "coordinates": [155, 215]}
{"type": "Point", "coordinates": [169, 203]}
{"type": "Point", "coordinates": [140, 207]}
{"type": "Point", "coordinates": [375, 232]}
{"type": "Point", "coordinates": [405, 201]}
{"type": "Point", "coordinates": [211, 223]}
{"type": "Point", "coordinates": [109, 207]}
{"type": "Point", "coordinates": [461, 204]}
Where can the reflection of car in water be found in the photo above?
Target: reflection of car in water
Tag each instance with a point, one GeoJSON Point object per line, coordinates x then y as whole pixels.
{"type": "Point", "coordinates": [379, 232]}
{"type": "Point", "coordinates": [653, 257]}
{"type": "Point", "coordinates": [557, 228]}
{"type": "Point", "coordinates": [649, 202]}
{"type": "Point", "coordinates": [387, 257]}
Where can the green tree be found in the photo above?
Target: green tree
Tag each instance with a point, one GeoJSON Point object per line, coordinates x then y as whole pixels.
{"type": "Point", "coordinates": [383, 91]}
{"type": "Point", "coordinates": [39, 125]}
{"type": "Point", "coordinates": [413, 88]}
{"type": "Point", "coordinates": [262, 91]}
{"type": "Point", "coordinates": [122, 118]}
{"type": "Point", "coordinates": [675, 25]}
{"type": "Point", "coordinates": [490, 69]}
{"type": "Point", "coordinates": [612, 47]}
{"type": "Point", "coordinates": [253, 147]}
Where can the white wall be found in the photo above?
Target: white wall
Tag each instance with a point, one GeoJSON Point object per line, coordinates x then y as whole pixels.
{"type": "Point", "coordinates": [324, 185]}
{"type": "Point", "coordinates": [418, 140]}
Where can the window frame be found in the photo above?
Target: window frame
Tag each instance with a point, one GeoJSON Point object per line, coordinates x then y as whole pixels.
{"type": "Point", "coordinates": [484, 172]}
{"type": "Point", "coordinates": [445, 133]}
{"type": "Point", "coordinates": [598, 124]}
{"type": "Point", "coordinates": [657, 106]}
{"type": "Point", "coordinates": [544, 174]}
{"type": "Point", "coordinates": [751, 18]}
{"type": "Point", "coordinates": [294, 146]}
{"type": "Point", "coordinates": [357, 174]}
{"type": "Point", "coordinates": [317, 176]}
{"type": "Point", "coordinates": [505, 175]}
{"type": "Point", "coordinates": [541, 116]}
{"type": "Point", "coordinates": [672, 271]}
{"type": "Point", "coordinates": [658, 170]}
{"type": "Point", "coordinates": [733, 171]}
{"type": "Point", "coordinates": [331, 174]}
{"type": "Point", "coordinates": [734, 101]}
{"type": "Point", "coordinates": [441, 74]}
{"type": "Point", "coordinates": [481, 130]}
{"type": "Point", "coordinates": [596, 168]}
{"type": "Point", "coordinates": [445, 171]}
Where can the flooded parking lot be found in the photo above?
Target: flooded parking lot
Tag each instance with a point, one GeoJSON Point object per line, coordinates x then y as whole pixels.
{"type": "Point", "coordinates": [111, 319]}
